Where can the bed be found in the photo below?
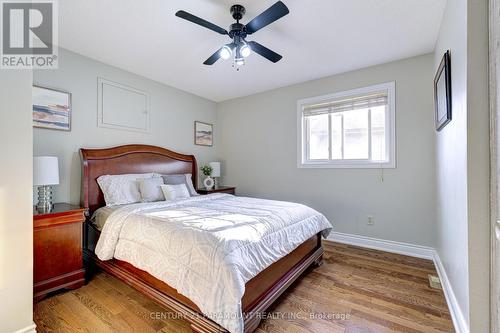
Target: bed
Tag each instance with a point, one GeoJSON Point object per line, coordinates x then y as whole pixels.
{"type": "Point", "coordinates": [266, 277]}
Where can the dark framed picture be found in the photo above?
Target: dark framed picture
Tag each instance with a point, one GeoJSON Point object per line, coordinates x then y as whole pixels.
{"type": "Point", "coordinates": [51, 108]}
{"type": "Point", "coordinates": [442, 92]}
{"type": "Point", "coordinates": [203, 134]}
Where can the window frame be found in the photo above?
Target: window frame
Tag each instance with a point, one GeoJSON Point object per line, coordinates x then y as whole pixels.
{"type": "Point", "coordinates": [390, 130]}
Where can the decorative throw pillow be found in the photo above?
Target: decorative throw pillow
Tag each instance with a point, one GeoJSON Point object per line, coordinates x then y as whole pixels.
{"type": "Point", "coordinates": [181, 179]}
{"type": "Point", "coordinates": [150, 189]}
{"type": "Point", "coordinates": [172, 192]}
{"type": "Point", "coordinates": [121, 189]}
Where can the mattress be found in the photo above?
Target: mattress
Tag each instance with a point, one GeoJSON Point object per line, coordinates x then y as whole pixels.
{"type": "Point", "coordinates": [207, 247]}
{"type": "Point", "coordinates": [101, 215]}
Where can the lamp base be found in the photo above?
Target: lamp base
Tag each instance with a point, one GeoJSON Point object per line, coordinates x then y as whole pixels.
{"type": "Point", "coordinates": [44, 198]}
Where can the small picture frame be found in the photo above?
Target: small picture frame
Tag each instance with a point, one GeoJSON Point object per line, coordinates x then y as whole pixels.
{"type": "Point", "coordinates": [442, 92]}
{"type": "Point", "coordinates": [203, 134]}
{"type": "Point", "coordinates": [51, 108]}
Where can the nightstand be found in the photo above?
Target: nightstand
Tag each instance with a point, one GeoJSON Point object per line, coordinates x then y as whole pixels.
{"type": "Point", "coordinates": [57, 249]}
{"type": "Point", "coordinates": [220, 189]}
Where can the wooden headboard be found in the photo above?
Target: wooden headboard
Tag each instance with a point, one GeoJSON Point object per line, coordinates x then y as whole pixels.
{"type": "Point", "coordinates": [127, 159]}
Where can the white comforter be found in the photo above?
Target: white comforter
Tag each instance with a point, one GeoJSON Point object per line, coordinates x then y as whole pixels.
{"type": "Point", "coordinates": [208, 247]}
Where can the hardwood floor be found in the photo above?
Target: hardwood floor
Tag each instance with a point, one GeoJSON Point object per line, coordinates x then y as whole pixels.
{"type": "Point", "coordinates": [356, 290]}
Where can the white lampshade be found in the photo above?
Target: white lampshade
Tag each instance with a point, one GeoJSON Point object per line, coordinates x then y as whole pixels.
{"type": "Point", "coordinates": [215, 169]}
{"type": "Point", "coordinates": [45, 170]}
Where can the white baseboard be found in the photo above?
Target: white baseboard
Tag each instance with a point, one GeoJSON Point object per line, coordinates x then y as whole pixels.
{"type": "Point", "coordinates": [28, 329]}
{"type": "Point", "coordinates": [457, 316]}
{"type": "Point", "coordinates": [384, 245]}
{"type": "Point", "coordinates": [411, 250]}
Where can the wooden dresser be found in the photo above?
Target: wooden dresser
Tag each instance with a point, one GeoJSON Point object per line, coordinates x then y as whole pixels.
{"type": "Point", "coordinates": [220, 189]}
{"type": "Point", "coordinates": [57, 249]}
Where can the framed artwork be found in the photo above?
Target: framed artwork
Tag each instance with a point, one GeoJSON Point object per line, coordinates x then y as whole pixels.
{"type": "Point", "coordinates": [442, 92]}
{"type": "Point", "coordinates": [203, 134]}
{"type": "Point", "coordinates": [51, 108]}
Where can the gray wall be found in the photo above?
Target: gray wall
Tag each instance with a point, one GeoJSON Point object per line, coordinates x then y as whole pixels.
{"type": "Point", "coordinates": [258, 145]}
{"type": "Point", "coordinates": [462, 150]}
{"type": "Point", "coordinates": [172, 114]}
{"type": "Point", "coordinates": [16, 219]}
{"type": "Point", "coordinates": [451, 161]}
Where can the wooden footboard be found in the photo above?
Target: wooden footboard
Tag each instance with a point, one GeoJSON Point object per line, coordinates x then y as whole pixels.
{"type": "Point", "coordinates": [261, 291]}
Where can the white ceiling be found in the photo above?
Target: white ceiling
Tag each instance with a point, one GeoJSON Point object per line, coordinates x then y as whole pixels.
{"type": "Point", "coordinates": [317, 39]}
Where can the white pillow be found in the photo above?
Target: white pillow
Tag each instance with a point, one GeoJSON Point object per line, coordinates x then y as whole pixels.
{"type": "Point", "coordinates": [180, 179]}
{"type": "Point", "coordinates": [172, 192]}
{"type": "Point", "coordinates": [150, 189]}
{"type": "Point", "coordinates": [121, 189]}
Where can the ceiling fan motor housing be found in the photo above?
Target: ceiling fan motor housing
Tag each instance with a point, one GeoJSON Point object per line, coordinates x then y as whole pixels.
{"type": "Point", "coordinates": [237, 11]}
{"type": "Point", "coordinates": [238, 30]}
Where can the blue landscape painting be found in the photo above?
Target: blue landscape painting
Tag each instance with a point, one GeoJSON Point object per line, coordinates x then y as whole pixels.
{"type": "Point", "coordinates": [203, 134]}
{"type": "Point", "coordinates": [51, 109]}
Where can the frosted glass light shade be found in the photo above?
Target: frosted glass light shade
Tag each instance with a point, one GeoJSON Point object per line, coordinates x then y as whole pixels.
{"type": "Point", "coordinates": [215, 169]}
{"type": "Point", "coordinates": [45, 170]}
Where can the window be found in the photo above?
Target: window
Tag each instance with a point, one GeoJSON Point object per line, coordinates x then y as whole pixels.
{"type": "Point", "coordinates": [351, 129]}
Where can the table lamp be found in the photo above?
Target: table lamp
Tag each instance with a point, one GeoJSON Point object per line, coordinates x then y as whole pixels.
{"type": "Point", "coordinates": [45, 174]}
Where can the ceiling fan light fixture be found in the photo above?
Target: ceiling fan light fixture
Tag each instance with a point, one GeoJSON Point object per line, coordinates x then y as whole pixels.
{"type": "Point", "coordinates": [225, 52]}
{"type": "Point", "coordinates": [239, 61]}
{"type": "Point", "coordinates": [245, 50]}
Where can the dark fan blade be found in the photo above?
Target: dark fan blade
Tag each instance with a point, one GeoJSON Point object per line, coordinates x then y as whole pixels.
{"type": "Point", "coordinates": [273, 13]}
{"type": "Point", "coordinates": [200, 21]}
{"type": "Point", "coordinates": [265, 52]}
{"type": "Point", "coordinates": [214, 57]}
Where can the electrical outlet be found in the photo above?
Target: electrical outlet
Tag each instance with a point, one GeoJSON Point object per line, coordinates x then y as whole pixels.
{"type": "Point", "coordinates": [370, 220]}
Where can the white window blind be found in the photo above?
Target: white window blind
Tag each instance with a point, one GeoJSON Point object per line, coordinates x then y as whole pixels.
{"type": "Point", "coordinates": [347, 104]}
{"type": "Point", "coordinates": [348, 129]}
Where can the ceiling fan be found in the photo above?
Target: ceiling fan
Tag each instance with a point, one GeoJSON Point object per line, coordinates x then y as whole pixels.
{"type": "Point", "coordinates": [239, 47]}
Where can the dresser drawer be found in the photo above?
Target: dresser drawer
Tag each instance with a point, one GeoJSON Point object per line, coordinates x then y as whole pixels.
{"type": "Point", "coordinates": [57, 250]}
